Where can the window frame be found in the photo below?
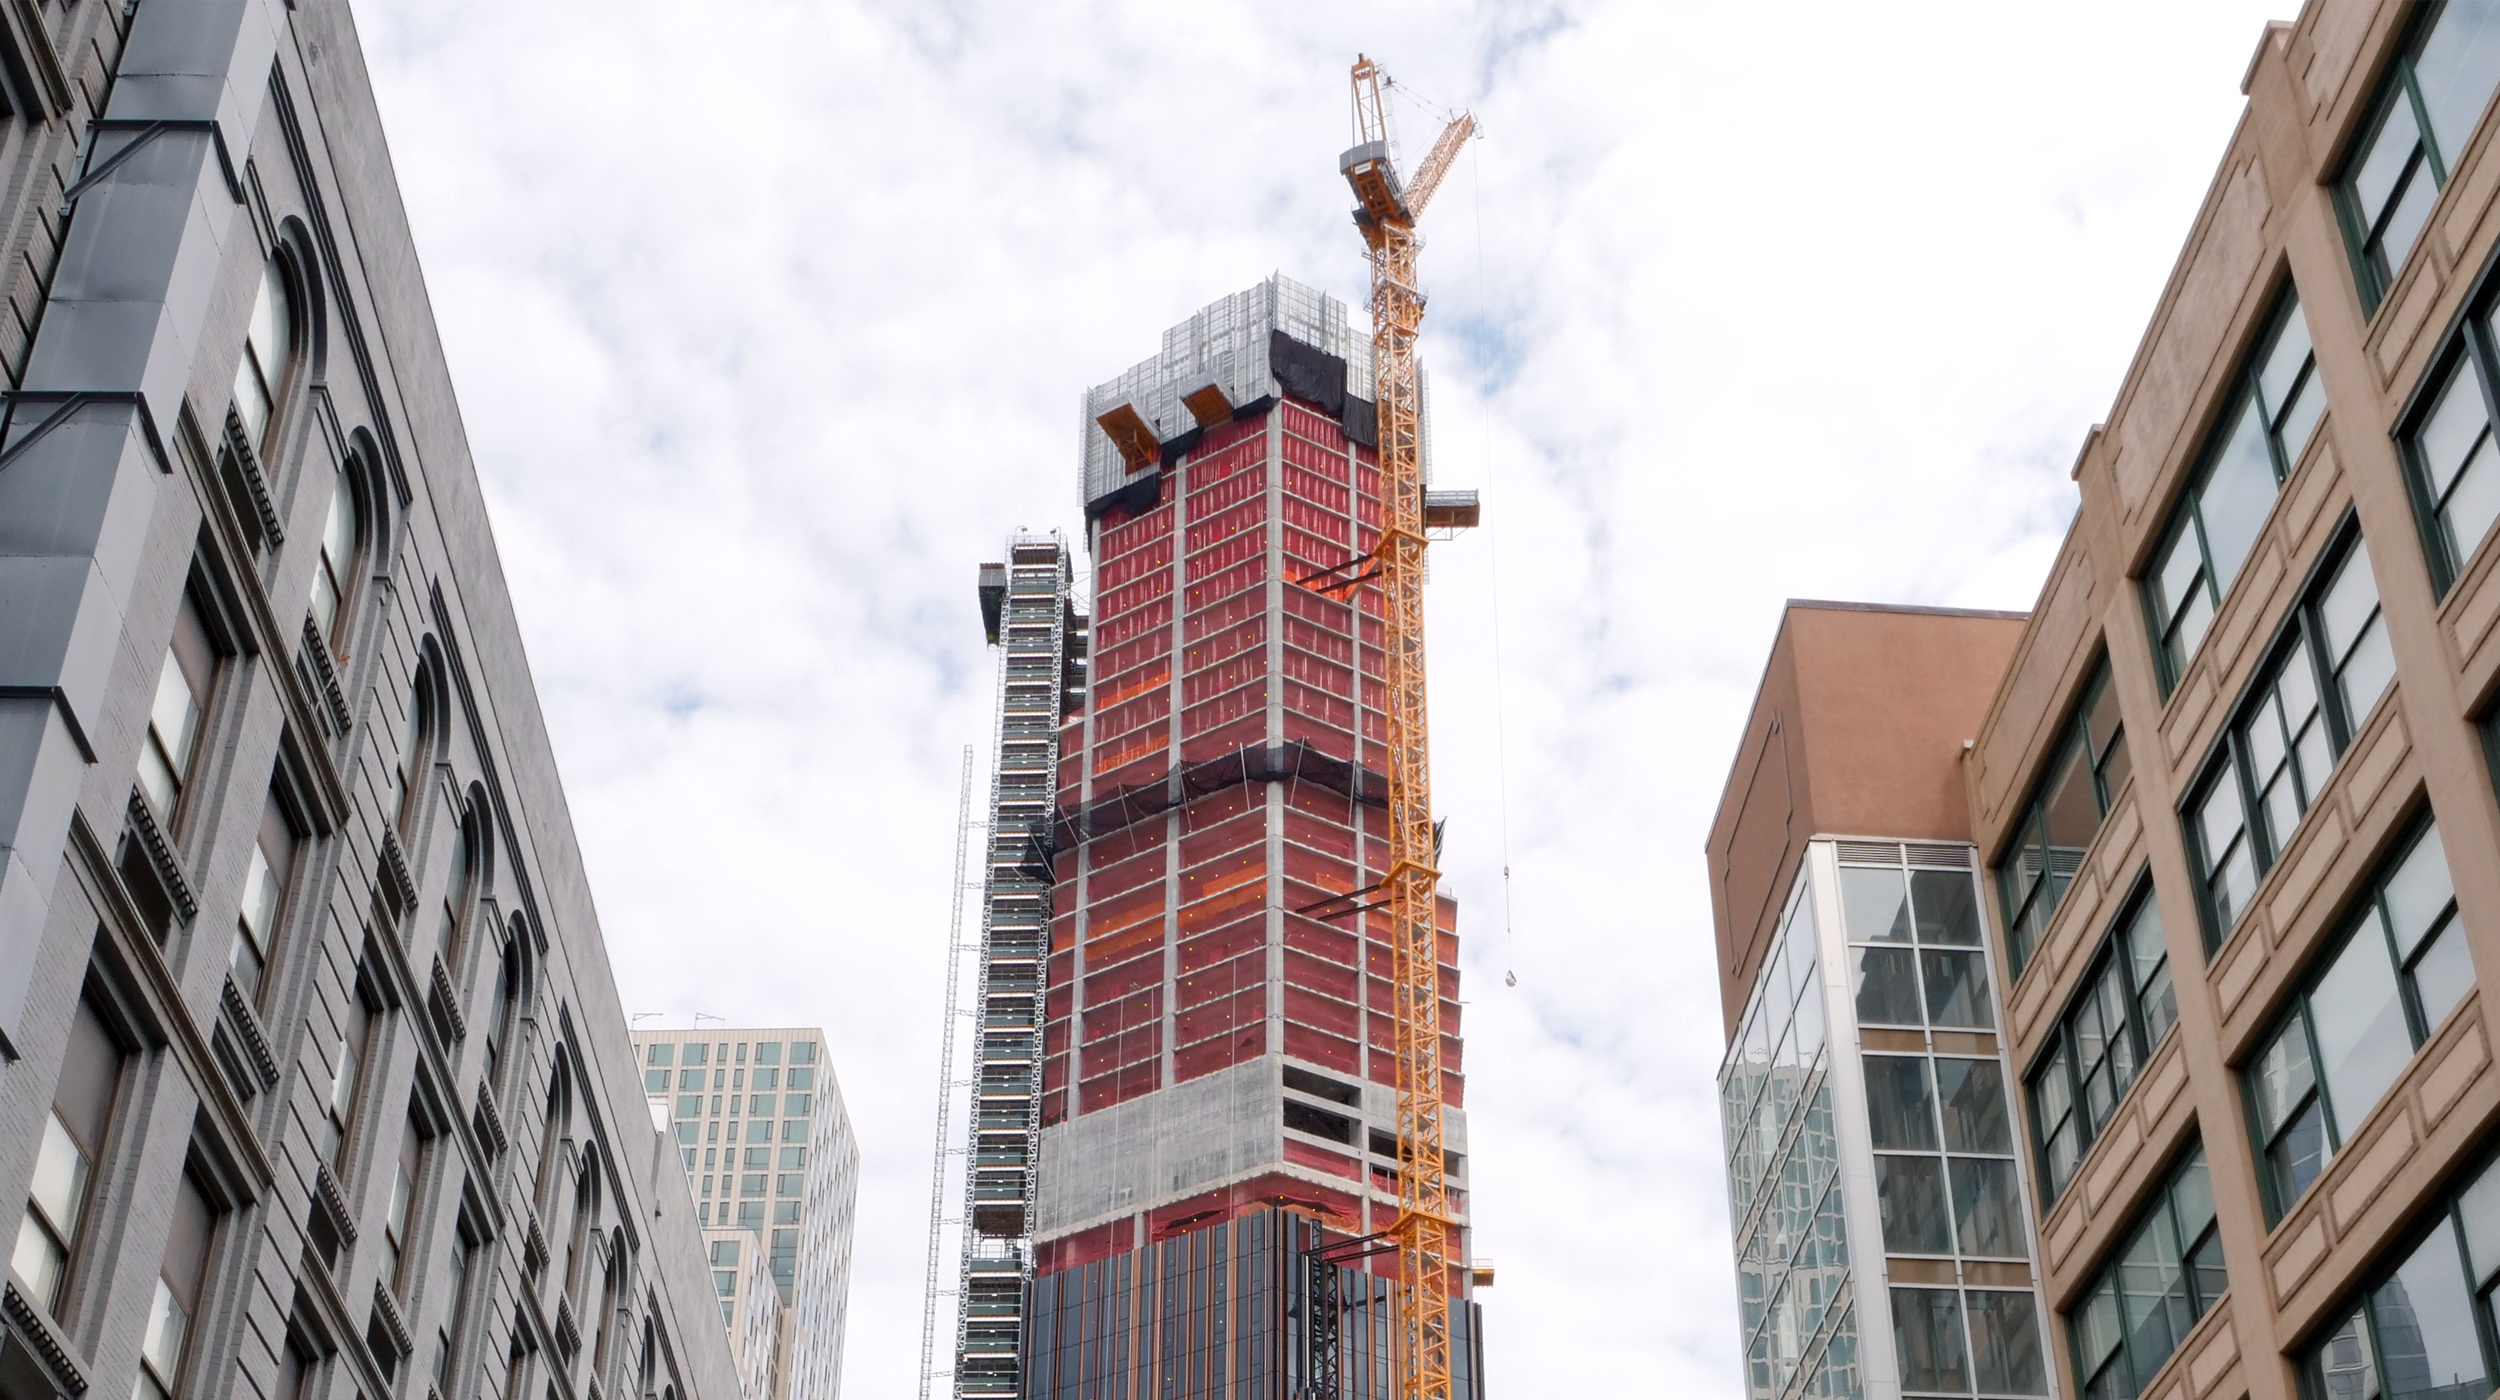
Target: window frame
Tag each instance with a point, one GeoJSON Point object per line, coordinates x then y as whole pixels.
{"type": "Point", "coordinates": [2395, 82]}
{"type": "Point", "coordinates": [2184, 514]}
{"type": "Point", "coordinates": [2162, 1201]}
{"type": "Point", "coordinates": [2299, 638]}
{"type": "Point", "coordinates": [2471, 348]}
{"type": "Point", "coordinates": [340, 575]}
{"type": "Point", "coordinates": [2115, 954]}
{"type": "Point", "coordinates": [2031, 829]}
{"type": "Point", "coordinates": [2350, 922]}
{"type": "Point", "coordinates": [2446, 1213]}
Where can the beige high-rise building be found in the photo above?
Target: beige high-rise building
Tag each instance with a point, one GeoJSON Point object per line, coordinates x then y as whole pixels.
{"type": "Point", "coordinates": [2234, 798]}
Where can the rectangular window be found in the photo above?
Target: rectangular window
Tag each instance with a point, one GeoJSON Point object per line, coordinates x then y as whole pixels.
{"type": "Point", "coordinates": [790, 1184]}
{"type": "Point", "coordinates": [2429, 104]}
{"type": "Point", "coordinates": [395, 1221]}
{"type": "Point", "coordinates": [339, 1112]}
{"type": "Point", "coordinates": [2415, 1332]}
{"type": "Point", "coordinates": [802, 1052]}
{"type": "Point", "coordinates": [49, 1236]}
{"type": "Point", "coordinates": [183, 685]}
{"type": "Point", "coordinates": [177, 1298]}
{"type": "Point", "coordinates": [785, 1212]}
{"type": "Point", "coordinates": [794, 1130]}
{"type": "Point", "coordinates": [2166, 1271]}
{"type": "Point", "coordinates": [696, 1054]}
{"type": "Point", "coordinates": [767, 1079]}
{"type": "Point", "coordinates": [2086, 768]}
{"type": "Point", "coordinates": [2274, 406]}
{"type": "Point", "coordinates": [2353, 1024]}
{"type": "Point", "coordinates": [793, 1159]}
{"type": "Point", "coordinates": [269, 869]}
{"type": "Point", "coordinates": [795, 1104]}
{"type": "Point", "coordinates": [655, 1081]}
{"type": "Point", "coordinates": [750, 1214]}
{"type": "Point", "coordinates": [689, 1106]}
{"type": "Point", "coordinates": [1925, 967]}
{"type": "Point", "coordinates": [768, 1052]}
{"type": "Point", "coordinates": [2122, 1008]}
{"type": "Point", "coordinates": [662, 1055]}
{"type": "Point", "coordinates": [2324, 672]}
{"type": "Point", "coordinates": [804, 1078]}
{"type": "Point", "coordinates": [760, 1103]}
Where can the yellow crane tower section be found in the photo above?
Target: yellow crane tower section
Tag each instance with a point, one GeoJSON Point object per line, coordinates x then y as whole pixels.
{"type": "Point", "coordinates": [1386, 212]}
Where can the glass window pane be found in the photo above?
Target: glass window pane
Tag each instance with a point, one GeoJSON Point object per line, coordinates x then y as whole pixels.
{"type": "Point", "coordinates": [2418, 892]}
{"type": "Point", "coordinates": [2152, 1294]}
{"type": "Point", "coordinates": [2479, 1207]}
{"type": "Point", "coordinates": [2005, 1344]}
{"type": "Point", "coordinates": [2096, 1330]}
{"type": "Point", "coordinates": [1805, 1038]}
{"type": "Point", "coordinates": [2235, 499]}
{"type": "Point", "coordinates": [1927, 1337]}
{"type": "Point", "coordinates": [2443, 975]}
{"type": "Point", "coordinates": [2455, 430]}
{"type": "Point", "coordinates": [1947, 906]}
{"type": "Point", "coordinates": [2297, 421]}
{"type": "Point", "coordinates": [2192, 1196]}
{"type": "Point", "coordinates": [2391, 148]}
{"type": "Point", "coordinates": [1909, 1196]}
{"type": "Point", "coordinates": [1987, 1214]}
{"type": "Point", "coordinates": [1972, 1093]}
{"type": "Point", "coordinates": [2404, 222]}
{"type": "Point", "coordinates": [1875, 904]}
{"type": "Point", "coordinates": [1957, 989]}
{"type": "Point", "coordinates": [2424, 1325]}
{"type": "Point", "coordinates": [2280, 1077]}
{"type": "Point", "coordinates": [2472, 503]}
{"type": "Point", "coordinates": [2363, 1042]}
{"type": "Point", "coordinates": [1901, 1114]}
{"type": "Point", "coordinates": [2073, 810]}
{"type": "Point", "coordinates": [2458, 64]}
{"type": "Point", "coordinates": [2295, 1159]}
{"type": "Point", "coordinates": [1886, 981]}
{"type": "Point", "coordinates": [2176, 578]}
{"type": "Point", "coordinates": [2343, 1366]}
{"type": "Point", "coordinates": [2285, 359]}
{"type": "Point", "coordinates": [2348, 601]}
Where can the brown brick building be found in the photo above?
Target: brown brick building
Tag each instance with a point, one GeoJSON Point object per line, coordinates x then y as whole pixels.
{"type": "Point", "coordinates": [2234, 799]}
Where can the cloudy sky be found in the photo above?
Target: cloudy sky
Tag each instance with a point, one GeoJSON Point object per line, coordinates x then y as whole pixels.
{"type": "Point", "coordinates": [770, 317]}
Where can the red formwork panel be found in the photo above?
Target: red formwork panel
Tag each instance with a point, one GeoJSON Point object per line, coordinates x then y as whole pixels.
{"type": "Point", "coordinates": [1118, 687]}
{"type": "Point", "coordinates": [1055, 1035]}
{"type": "Point", "coordinates": [1304, 1007]}
{"type": "Point", "coordinates": [1375, 727]}
{"type": "Point", "coordinates": [1136, 872]}
{"type": "Point", "coordinates": [1143, 1007]}
{"type": "Point", "coordinates": [1218, 857]}
{"type": "Point", "coordinates": [1315, 426]}
{"type": "Point", "coordinates": [1320, 872]}
{"type": "Point", "coordinates": [1223, 908]}
{"type": "Point", "coordinates": [1134, 564]}
{"type": "Point", "coordinates": [1062, 964]}
{"type": "Point", "coordinates": [1300, 451]}
{"type": "Point", "coordinates": [1236, 672]}
{"type": "Point", "coordinates": [1320, 940]}
{"type": "Point", "coordinates": [1214, 588]}
{"type": "Point", "coordinates": [1122, 719]}
{"type": "Point", "coordinates": [1132, 941]}
{"type": "Point", "coordinates": [1243, 831]}
{"type": "Point", "coordinates": [1143, 760]}
{"type": "Point", "coordinates": [1322, 975]}
{"type": "Point", "coordinates": [1112, 846]}
{"type": "Point", "coordinates": [1224, 944]}
{"type": "Point", "coordinates": [1250, 636]}
{"type": "Point", "coordinates": [1246, 1043]}
{"type": "Point", "coordinates": [1071, 773]}
{"type": "Point", "coordinates": [1210, 985]}
{"type": "Point", "coordinates": [1301, 829]}
{"type": "Point", "coordinates": [1233, 704]}
{"type": "Point", "coordinates": [1111, 918]}
{"type": "Point", "coordinates": [1063, 893]}
{"type": "Point", "coordinates": [1058, 1001]}
{"type": "Point", "coordinates": [1299, 665]}
{"type": "Point", "coordinates": [1224, 613]}
{"type": "Point", "coordinates": [1085, 1246]}
{"type": "Point", "coordinates": [1327, 804]}
{"type": "Point", "coordinates": [1310, 557]}
{"type": "Point", "coordinates": [1054, 1107]}
{"type": "Point", "coordinates": [1216, 808]}
{"type": "Point", "coordinates": [1233, 511]}
{"type": "Point", "coordinates": [1055, 1074]}
{"type": "Point", "coordinates": [1334, 646]}
{"type": "Point", "coordinates": [1147, 587]}
{"type": "Point", "coordinates": [1303, 1154]}
{"type": "Point", "coordinates": [1453, 1089]}
{"type": "Point", "coordinates": [1327, 738]}
{"type": "Point", "coordinates": [1206, 467]}
{"type": "Point", "coordinates": [1220, 1017]}
{"type": "Point", "coordinates": [1134, 532]}
{"type": "Point", "coordinates": [1327, 610]}
{"type": "Point", "coordinates": [1128, 656]}
{"type": "Point", "coordinates": [1318, 487]}
{"type": "Point", "coordinates": [1105, 986]}
{"type": "Point", "coordinates": [1113, 630]}
{"type": "Point", "coordinates": [1306, 1042]}
{"type": "Point", "coordinates": [1200, 745]}
{"type": "Point", "coordinates": [1316, 704]}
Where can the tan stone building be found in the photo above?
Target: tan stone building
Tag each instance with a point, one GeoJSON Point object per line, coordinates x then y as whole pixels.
{"type": "Point", "coordinates": [2234, 792]}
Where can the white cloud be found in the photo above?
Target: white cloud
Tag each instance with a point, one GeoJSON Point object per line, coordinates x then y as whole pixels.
{"type": "Point", "coordinates": [770, 318]}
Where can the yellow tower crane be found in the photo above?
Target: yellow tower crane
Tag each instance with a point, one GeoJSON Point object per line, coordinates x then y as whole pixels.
{"type": "Point", "coordinates": [1386, 213]}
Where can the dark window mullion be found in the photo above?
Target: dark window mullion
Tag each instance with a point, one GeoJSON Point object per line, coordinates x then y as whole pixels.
{"type": "Point", "coordinates": [2317, 1081]}
{"type": "Point", "coordinates": [2432, 160]}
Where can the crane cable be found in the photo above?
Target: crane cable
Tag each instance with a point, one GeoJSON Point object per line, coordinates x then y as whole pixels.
{"type": "Point", "coordinates": [1493, 549]}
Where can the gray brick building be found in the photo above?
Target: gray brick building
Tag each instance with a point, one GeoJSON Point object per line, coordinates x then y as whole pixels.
{"type": "Point", "coordinates": [313, 1079]}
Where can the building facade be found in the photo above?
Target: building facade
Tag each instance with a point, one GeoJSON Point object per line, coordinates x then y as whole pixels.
{"type": "Point", "coordinates": [2235, 789]}
{"type": "Point", "coordinates": [313, 1081]}
{"type": "Point", "coordinates": [772, 1166]}
{"type": "Point", "coordinates": [1874, 1184]}
{"type": "Point", "coordinates": [1218, 1100]}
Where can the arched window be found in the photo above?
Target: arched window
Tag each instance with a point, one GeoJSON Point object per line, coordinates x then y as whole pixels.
{"type": "Point", "coordinates": [559, 1107]}
{"type": "Point", "coordinates": [507, 1008]}
{"type": "Point", "coordinates": [268, 352]}
{"type": "Point", "coordinates": [334, 573]}
{"type": "Point", "coordinates": [416, 731]}
{"type": "Point", "coordinates": [585, 1228]}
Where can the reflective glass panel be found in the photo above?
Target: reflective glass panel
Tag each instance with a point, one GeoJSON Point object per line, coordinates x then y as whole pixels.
{"type": "Point", "coordinates": [1900, 1112]}
{"type": "Point", "coordinates": [1927, 1338]}
{"type": "Point", "coordinates": [2237, 496]}
{"type": "Point", "coordinates": [2359, 1020]}
{"type": "Point", "coordinates": [1876, 905]}
{"type": "Point", "coordinates": [2005, 1344]}
{"type": "Point", "coordinates": [1987, 1212]}
{"type": "Point", "coordinates": [1947, 905]}
{"type": "Point", "coordinates": [1957, 988]}
{"type": "Point", "coordinates": [1972, 1093]}
{"type": "Point", "coordinates": [2423, 1322]}
{"type": "Point", "coordinates": [1886, 984]}
{"type": "Point", "coordinates": [1910, 1198]}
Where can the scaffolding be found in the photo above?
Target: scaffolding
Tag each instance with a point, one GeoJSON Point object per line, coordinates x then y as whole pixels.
{"type": "Point", "coordinates": [1028, 611]}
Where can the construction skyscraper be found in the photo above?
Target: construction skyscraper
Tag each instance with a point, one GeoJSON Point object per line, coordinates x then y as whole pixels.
{"type": "Point", "coordinates": [1217, 1103]}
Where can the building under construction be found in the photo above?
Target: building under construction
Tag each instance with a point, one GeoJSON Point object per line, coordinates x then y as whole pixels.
{"type": "Point", "coordinates": [1215, 1158]}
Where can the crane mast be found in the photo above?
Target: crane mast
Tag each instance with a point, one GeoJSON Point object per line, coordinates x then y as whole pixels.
{"type": "Point", "coordinates": [1386, 214]}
